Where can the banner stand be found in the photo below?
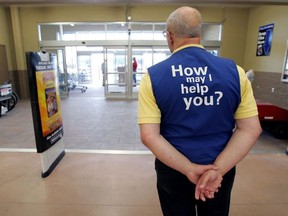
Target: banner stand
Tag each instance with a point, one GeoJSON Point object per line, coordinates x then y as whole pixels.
{"type": "Point", "coordinates": [51, 158]}
{"type": "Point", "coordinates": [46, 108]}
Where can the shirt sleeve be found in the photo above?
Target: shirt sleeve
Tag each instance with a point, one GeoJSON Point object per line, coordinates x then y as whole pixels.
{"type": "Point", "coordinates": [247, 107]}
{"type": "Point", "coordinates": [148, 111]}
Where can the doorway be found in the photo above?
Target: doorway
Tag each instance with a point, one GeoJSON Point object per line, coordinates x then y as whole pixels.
{"type": "Point", "coordinates": [116, 72]}
{"type": "Point", "coordinates": [125, 66]}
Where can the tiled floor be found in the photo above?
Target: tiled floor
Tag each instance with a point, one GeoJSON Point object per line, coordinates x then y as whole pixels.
{"type": "Point", "coordinates": [115, 183]}
{"type": "Point", "coordinates": [89, 123]}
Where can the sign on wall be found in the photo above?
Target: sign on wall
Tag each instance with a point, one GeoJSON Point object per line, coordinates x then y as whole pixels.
{"type": "Point", "coordinates": [264, 40]}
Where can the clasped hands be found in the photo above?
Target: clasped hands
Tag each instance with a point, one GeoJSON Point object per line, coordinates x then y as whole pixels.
{"type": "Point", "coordinates": [207, 179]}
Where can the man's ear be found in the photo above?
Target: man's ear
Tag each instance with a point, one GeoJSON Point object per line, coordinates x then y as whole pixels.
{"type": "Point", "coordinates": [170, 39]}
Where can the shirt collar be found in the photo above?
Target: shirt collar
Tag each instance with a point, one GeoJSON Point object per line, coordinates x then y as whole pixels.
{"type": "Point", "coordinates": [190, 45]}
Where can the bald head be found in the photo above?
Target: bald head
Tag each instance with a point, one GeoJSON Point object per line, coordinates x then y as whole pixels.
{"type": "Point", "coordinates": [185, 22]}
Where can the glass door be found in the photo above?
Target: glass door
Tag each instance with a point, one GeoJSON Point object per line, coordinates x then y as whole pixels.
{"type": "Point", "coordinates": [84, 68]}
{"type": "Point", "coordinates": [115, 67]}
{"type": "Point", "coordinates": [145, 56]}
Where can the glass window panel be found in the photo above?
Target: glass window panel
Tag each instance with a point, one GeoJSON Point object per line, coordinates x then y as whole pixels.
{"type": "Point", "coordinates": [159, 27]}
{"type": "Point", "coordinates": [141, 35]}
{"type": "Point", "coordinates": [84, 32]}
{"type": "Point", "coordinates": [211, 32]}
{"type": "Point", "coordinates": [117, 35]}
{"type": "Point", "coordinates": [117, 31]}
{"type": "Point", "coordinates": [49, 32]}
{"type": "Point", "coordinates": [117, 27]}
{"type": "Point", "coordinates": [158, 35]}
{"type": "Point", "coordinates": [71, 36]}
{"type": "Point", "coordinates": [141, 31]}
{"type": "Point", "coordinates": [90, 36]}
{"type": "Point", "coordinates": [67, 28]}
{"type": "Point", "coordinates": [158, 31]}
{"type": "Point", "coordinates": [141, 27]}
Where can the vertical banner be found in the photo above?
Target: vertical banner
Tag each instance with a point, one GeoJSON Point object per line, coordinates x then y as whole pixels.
{"type": "Point", "coordinates": [264, 40]}
{"type": "Point", "coordinates": [46, 109]}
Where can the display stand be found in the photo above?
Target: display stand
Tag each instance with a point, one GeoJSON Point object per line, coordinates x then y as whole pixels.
{"type": "Point", "coordinates": [46, 109]}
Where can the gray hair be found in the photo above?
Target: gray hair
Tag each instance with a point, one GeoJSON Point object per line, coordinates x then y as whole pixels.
{"type": "Point", "coordinates": [181, 25]}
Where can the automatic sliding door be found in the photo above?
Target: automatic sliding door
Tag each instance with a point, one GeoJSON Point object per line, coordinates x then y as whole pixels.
{"type": "Point", "coordinates": [121, 80]}
{"type": "Point", "coordinates": [146, 57]}
{"type": "Point", "coordinates": [115, 72]}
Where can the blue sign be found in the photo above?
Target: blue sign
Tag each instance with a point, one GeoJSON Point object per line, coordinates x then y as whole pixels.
{"type": "Point", "coordinates": [264, 40]}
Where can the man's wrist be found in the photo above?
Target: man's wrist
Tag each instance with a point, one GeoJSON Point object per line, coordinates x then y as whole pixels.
{"type": "Point", "coordinates": [220, 170]}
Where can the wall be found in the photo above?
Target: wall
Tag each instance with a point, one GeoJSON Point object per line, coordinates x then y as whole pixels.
{"type": "Point", "coordinates": [4, 72]}
{"type": "Point", "coordinates": [234, 34]}
{"type": "Point", "coordinates": [268, 68]}
{"type": "Point", "coordinates": [263, 84]}
{"type": "Point", "coordinates": [260, 16]}
{"type": "Point", "coordinates": [6, 39]}
{"type": "Point", "coordinates": [6, 36]}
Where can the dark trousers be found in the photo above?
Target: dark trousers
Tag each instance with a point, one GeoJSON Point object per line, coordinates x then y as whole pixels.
{"type": "Point", "coordinates": [176, 194]}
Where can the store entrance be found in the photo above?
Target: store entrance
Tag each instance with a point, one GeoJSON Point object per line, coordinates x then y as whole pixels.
{"type": "Point", "coordinates": [112, 72]}
{"type": "Point", "coordinates": [124, 67]}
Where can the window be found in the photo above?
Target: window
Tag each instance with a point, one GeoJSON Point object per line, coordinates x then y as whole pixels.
{"type": "Point", "coordinates": [82, 31]}
{"type": "Point", "coordinates": [211, 32]}
{"type": "Point", "coordinates": [49, 32]}
{"type": "Point", "coordinates": [117, 31]}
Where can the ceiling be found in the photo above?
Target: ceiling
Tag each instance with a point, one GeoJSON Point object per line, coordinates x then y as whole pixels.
{"type": "Point", "coordinates": [132, 2]}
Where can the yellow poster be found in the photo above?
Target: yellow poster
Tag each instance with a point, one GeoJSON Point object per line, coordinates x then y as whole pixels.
{"type": "Point", "coordinates": [49, 102]}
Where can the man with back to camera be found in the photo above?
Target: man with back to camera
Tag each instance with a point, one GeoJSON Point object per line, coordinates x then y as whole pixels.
{"type": "Point", "coordinates": [189, 105]}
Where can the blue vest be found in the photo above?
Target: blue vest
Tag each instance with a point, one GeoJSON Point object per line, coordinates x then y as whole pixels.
{"type": "Point", "coordinates": [197, 94]}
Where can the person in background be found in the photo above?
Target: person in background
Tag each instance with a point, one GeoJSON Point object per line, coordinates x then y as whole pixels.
{"type": "Point", "coordinates": [134, 65]}
{"type": "Point", "coordinates": [198, 116]}
{"type": "Point", "coordinates": [104, 70]}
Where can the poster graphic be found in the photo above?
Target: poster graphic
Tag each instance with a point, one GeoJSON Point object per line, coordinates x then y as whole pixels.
{"type": "Point", "coordinates": [51, 101]}
{"type": "Point", "coordinates": [264, 40]}
{"type": "Point", "coordinates": [45, 99]}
